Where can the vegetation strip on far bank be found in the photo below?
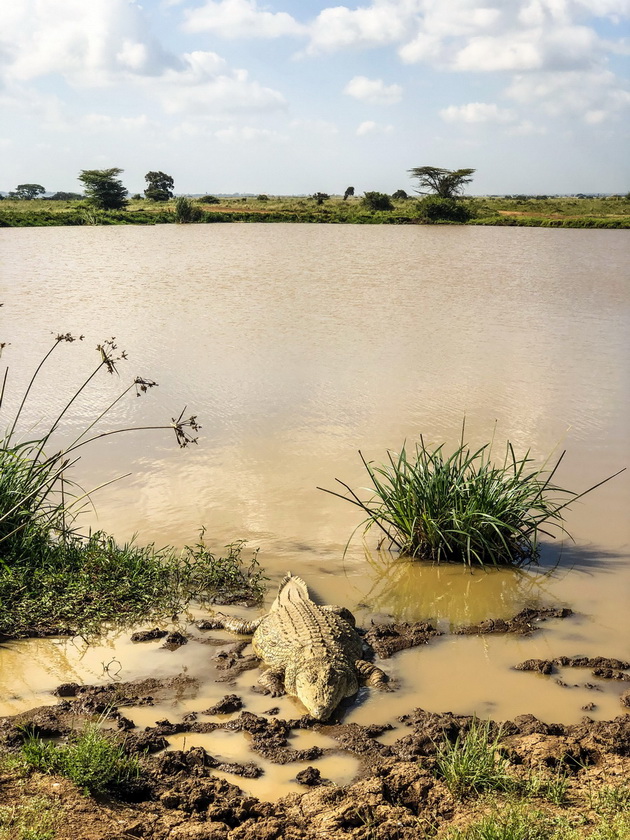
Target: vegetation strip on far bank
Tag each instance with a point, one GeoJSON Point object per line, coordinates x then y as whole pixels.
{"type": "Point", "coordinates": [523, 211]}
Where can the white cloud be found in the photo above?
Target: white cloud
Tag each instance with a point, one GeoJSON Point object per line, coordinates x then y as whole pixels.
{"type": "Point", "coordinates": [382, 22]}
{"type": "Point", "coordinates": [249, 134]}
{"type": "Point", "coordinates": [87, 43]}
{"type": "Point", "coordinates": [205, 84]}
{"type": "Point", "coordinates": [371, 127]}
{"type": "Point", "coordinates": [240, 19]}
{"type": "Point", "coordinates": [576, 93]}
{"type": "Point", "coordinates": [477, 112]}
{"type": "Point", "coordinates": [374, 91]}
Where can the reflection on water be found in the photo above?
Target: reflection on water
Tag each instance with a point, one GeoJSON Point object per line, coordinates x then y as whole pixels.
{"type": "Point", "coordinates": [413, 591]}
{"type": "Point", "coordinates": [298, 345]}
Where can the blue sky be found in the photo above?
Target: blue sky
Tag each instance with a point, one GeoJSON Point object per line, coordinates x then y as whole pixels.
{"type": "Point", "coordinates": [291, 97]}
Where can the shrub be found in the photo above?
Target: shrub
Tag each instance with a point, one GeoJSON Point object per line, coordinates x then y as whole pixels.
{"type": "Point", "coordinates": [463, 507]}
{"type": "Point", "coordinates": [436, 209]}
{"type": "Point", "coordinates": [400, 195]}
{"type": "Point", "coordinates": [320, 197]}
{"type": "Point", "coordinates": [185, 211]}
{"type": "Point", "coordinates": [208, 199]}
{"type": "Point", "coordinates": [377, 201]}
{"type": "Point", "coordinates": [261, 197]}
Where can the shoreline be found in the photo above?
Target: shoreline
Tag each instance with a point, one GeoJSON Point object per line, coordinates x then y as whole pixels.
{"type": "Point", "coordinates": [560, 773]}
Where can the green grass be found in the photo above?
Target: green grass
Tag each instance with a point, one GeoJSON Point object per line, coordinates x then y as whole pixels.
{"type": "Point", "coordinates": [34, 819]}
{"type": "Point", "coordinates": [472, 763]}
{"type": "Point", "coordinates": [94, 760]}
{"type": "Point", "coordinates": [78, 585]}
{"type": "Point", "coordinates": [55, 579]}
{"type": "Point", "coordinates": [567, 211]}
{"type": "Point", "coordinates": [463, 507]}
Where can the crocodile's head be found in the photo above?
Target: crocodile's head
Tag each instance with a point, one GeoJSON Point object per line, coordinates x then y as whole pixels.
{"type": "Point", "coordinates": [321, 686]}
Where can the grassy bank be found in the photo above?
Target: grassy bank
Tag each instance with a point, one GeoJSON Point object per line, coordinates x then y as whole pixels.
{"type": "Point", "coordinates": [57, 579]}
{"type": "Point", "coordinates": [610, 212]}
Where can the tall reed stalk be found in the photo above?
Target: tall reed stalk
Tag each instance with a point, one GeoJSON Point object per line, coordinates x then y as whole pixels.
{"type": "Point", "coordinates": [38, 500]}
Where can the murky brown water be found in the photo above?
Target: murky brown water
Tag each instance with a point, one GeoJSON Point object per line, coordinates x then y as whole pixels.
{"type": "Point", "coordinates": [298, 345]}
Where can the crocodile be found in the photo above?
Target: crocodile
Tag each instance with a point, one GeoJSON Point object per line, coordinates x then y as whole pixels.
{"type": "Point", "coordinates": [312, 652]}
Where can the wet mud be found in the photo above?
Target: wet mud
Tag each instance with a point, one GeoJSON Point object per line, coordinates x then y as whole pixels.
{"type": "Point", "coordinates": [395, 793]}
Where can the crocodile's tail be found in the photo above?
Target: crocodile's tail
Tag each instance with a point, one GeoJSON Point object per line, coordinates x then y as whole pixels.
{"type": "Point", "coordinates": [291, 589]}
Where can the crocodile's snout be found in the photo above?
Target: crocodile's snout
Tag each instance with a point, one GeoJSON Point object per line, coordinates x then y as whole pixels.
{"type": "Point", "coordinates": [322, 687]}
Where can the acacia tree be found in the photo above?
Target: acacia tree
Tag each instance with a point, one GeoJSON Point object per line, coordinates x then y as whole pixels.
{"type": "Point", "coordinates": [29, 191]}
{"type": "Point", "coordinates": [445, 183]}
{"type": "Point", "coordinates": [349, 191]}
{"type": "Point", "coordinates": [159, 186]}
{"type": "Point", "coordinates": [103, 188]}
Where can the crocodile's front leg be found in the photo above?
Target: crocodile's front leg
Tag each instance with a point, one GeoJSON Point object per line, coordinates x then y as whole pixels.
{"type": "Point", "coordinates": [342, 612]}
{"type": "Point", "coordinates": [371, 674]}
{"type": "Point", "coordinates": [233, 625]}
{"type": "Point", "coordinates": [273, 681]}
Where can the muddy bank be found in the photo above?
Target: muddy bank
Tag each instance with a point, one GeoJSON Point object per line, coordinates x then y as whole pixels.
{"type": "Point", "coordinates": [396, 795]}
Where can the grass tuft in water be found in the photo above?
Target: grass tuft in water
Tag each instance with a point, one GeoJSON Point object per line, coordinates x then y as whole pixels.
{"type": "Point", "coordinates": [94, 760]}
{"type": "Point", "coordinates": [463, 507]}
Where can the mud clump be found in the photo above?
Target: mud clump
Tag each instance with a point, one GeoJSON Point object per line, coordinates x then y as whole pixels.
{"type": "Point", "coordinates": [387, 639]}
{"type": "Point", "coordinates": [230, 703]}
{"type": "Point", "coordinates": [524, 623]}
{"type": "Point", "coordinates": [148, 635]}
{"type": "Point", "coordinates": [604, 668]}
{"type": "Point", "coordinates": [310, 776]}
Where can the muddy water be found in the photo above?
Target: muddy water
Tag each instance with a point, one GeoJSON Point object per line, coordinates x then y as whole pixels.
{"type": "Point", "coordinates": [298, 345]}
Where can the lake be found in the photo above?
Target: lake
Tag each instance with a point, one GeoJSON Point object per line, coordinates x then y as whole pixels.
{"type": "Point", "coordinates": [299, 345]}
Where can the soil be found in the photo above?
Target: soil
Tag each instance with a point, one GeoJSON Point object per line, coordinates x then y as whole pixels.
{"type": "Point", "coordinates": [395, 797]}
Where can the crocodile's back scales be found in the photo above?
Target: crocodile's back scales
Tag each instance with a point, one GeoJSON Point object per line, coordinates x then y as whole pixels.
{"type": "Point", "coordinates": [301, 628]}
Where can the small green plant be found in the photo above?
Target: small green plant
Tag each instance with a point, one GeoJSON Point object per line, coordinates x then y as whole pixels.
{"type": "Point", "coordinates": [463, 507]}
{"type": "Point", "coordinates": [472, 763]}
{"type": "Point", "coordinates": [33, 819]}
{"type": "Point", "coordinates": [208, 199]}
{"type": "Point", "coordinates": [553, 788]}
{"type": "Point", "coordinates": [186, 211]}
{"type": "Point", "coordinates": [610, 799]}
{"type": "Point", "coordinates": [37, 499]}
{"type": "Point", "coordinates": [94, 760]}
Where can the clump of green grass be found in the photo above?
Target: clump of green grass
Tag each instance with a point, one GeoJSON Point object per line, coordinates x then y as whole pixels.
{"type": "Point", "coordinates": [33, 819]}
{"type": "Point", "coordinates": [94, 760]}
{"type": "Point", "coordinates": [472, 763]}
{"type": "Point", "coordinates": [463, 507]}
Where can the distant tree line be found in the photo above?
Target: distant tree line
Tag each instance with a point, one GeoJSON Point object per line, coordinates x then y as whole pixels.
{"type": "Point", "coordinates": [441, 188]}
